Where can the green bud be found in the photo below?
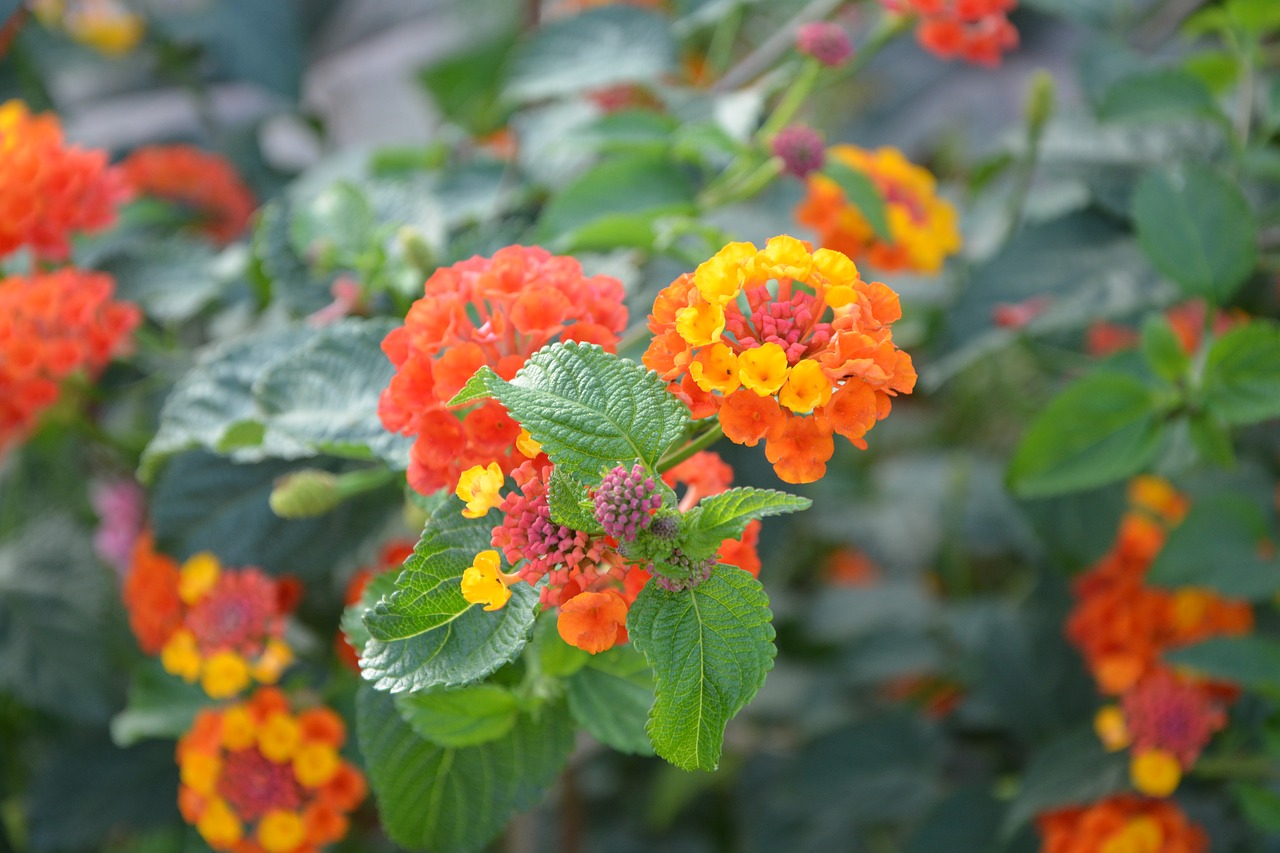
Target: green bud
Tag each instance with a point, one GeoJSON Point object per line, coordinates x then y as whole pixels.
{"type": "Point", "coordinates": [1040, 98]}
{"type": "Point", "coordinates": [305, 494]}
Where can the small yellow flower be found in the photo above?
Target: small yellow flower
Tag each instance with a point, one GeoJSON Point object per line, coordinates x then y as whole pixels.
{"type": "Point", "coordinates": [224, 674]}
{"type": "Point", "coordinates": [315, 763]}
{"type": "Point", "coordinates": [479, 486]}
{"type": "Point", "coordinates": [715, 368]}
{"type": "Point", "coordinates": [700, 324]}
{"type": "Point", "coordinates": [763, 369]}
{"type": "Point", "coordinates": [281, 831]}
{"type": "Point", "coordinates": [181, 656]}
{"type": "Point", "coordinates": [483, 583]}
{"type": "Point", "coordinates": [199, 574]}
{"type": "Point", "coordinates": [199, 771]}
{"type": "Point", "coordinates": [719, 279]}
{"type": "Point", "coordinates": [806, 388]}
{"type": "Point", "coordinates": [1112, 730]}
{"type": "Point", "coordinates": [113, 32]}
{"type": "Point", "coordinates": [278, 737]}
{"type": "Point", "coordinates": [526, 445]}
{"type": "Point", "coordinates": [1155, 772]}
{"type": "Point", "coordinates": [275, 658]}
{"type": "Point", "coordinates": [783, 257]}
{"type": "Point", "coordinates": [219, 825]}
{"type": "Point", "coordinates": [239, 729]}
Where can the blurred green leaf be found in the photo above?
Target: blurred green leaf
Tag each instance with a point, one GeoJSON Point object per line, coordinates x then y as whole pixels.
{"type": "Point", "coordinates": [1163, 350]}
{"type": "Point", "coordinates": [1218, 546]}
{"type": "Point", "coordinates": [466, 86]}
{"type": "Point", "coordinates": [160, 706]}
{"type": "Point", "coordinates": [466, 716]}
{"type": "Point", "coordinates": [1242, 374]}
{"type": "Point", "coordinates": [336, 227]}
{"type": "Point", "coordinates": [611, 696]}
{"type": "Point", "coordinates": [862, 194]}
{"type": "Point", "coordinates": [1168, 94]}
{"type": "Point", "coordinates": [966, 822]}
{"type": "Point", "coordinates": [247, 39]}
{"type": "Point", "coordinates": [1261, 806]}
{"type": "Point", "coordinates": [172, 278]}
{"type": "Point", "coordinates": [1072, 770]}
{"type": "Point", "coordinates": [1252, 662]}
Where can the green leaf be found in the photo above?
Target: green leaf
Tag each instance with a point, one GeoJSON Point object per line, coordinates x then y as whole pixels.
{"type": "Point", "coordinates": [466, 716]}
{"type": "Point", "coordinates": [1217, 546]}
{"type": "Point", "coordinates": [1196, 228]}
{"type": "Point", "coordinates": [726, 515]}
{"type": "Point", "coordinates": [432, 797]}
{"type": "Point", "coordinates": [336, 226]}
{"type": "Point", "coordinates": [1163, 350]}
{"type": "Point", "coordinates": [1242, 374]}
{"type": "Point", "coordinates": [611, 696]}
{"type": "Point", "coordinates": [1211, 439]}
{"type": "Point", "coordinates": [862, 194]}
{"type": "Point", "coordinates": [352, 622]}
{"type": "Point", "coordinates": [710, 649]}
{"type": "Point", "coordinates": [569, 504]}
{"type": "Point", "coordinates": [160, 706]}
{"type": "Point", "coordinates": [1101, 429]}
{"type": "Point", "coordinates": [1252, 662]}
{"type": "Point", "coordinates": [324, 395]}
{"type": "Point", "coordinates": [260, 43]}
{"type": "Point", "coordinates": [1257, 16]}
{"type": "Point", "coordinates": [426, 634]}
{"type": "Point", "coordinates": [171, 278]}
{"type": "Point", "coordinates": [598, 48]}
{"type": "Point", "coordinates": [1072, 770]}
{"type": "Point", "coordinates": [1261, 806]}
{"type": "Point", "coordinates": [465, 86]}
{"type": "Point", "coordinates": [280, 274]}
{"type": "Point", "coordinates": [590, 410]}
{"type": "Point", "coordinates": [1158, 95]}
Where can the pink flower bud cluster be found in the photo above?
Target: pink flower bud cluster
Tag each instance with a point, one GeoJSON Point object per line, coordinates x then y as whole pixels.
{"type": "Point", "coordinates": [625, 500]}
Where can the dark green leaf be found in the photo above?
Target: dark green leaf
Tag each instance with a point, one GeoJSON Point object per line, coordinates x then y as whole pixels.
{"type": "Point", "coordinates": [1261, 806]}
{"type": "Point", "coordinates": [1211, 439]}
{"type": "Point", "coordinates": [465, 86]}
{"type": "Point", "coordinates": [1252, 662]}
{"type": "Point", "coordinates": [352, 622]}
{"type": "Point", "coordinates": [1217, 546]}
{"type": "Point", "coordinates": [1242, 374]}
{"type": "Point", "coordinates": [611, 696]}
{"type": "Point", "coordinates": [466, 716]}
{"type": "Point", "coordinates": [862, 194]}
{"type": "Point", "coordinates": [247, 40]}
{"type": "Point", "coordinates": [1072, 770]}
{"type": "Point", "coordinates": [1167, 94]}
{"type": "Point", "coordinates": [160, 706]}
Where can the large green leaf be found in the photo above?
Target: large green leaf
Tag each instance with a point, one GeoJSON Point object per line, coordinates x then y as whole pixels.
{"type": "Point", "coordinates": [590, 410]}
{"type": "Point", "coordinates": [1101, 429]}
{"type": "Point", "coordinates": [1252, 662]}
{"type": "Point", "coordinates": [1158, 95]}
{"type": "Point", "coordinates": [726, 515]}
{"type": "Point", "coordinates": [598, 48]}
{"type": "Point", "coordinates": [1072, 770]}
{"type": "Point", "coordinates": [432, 797]}
{"type": "Point", "coordinates": [171, 278]}
{"type": "Point", "coordinates": [611, 696]}
{"type": "Point", "coordinates": [710, 649]}
{"type": "Point", "coordinates": [1217, 546]}
{"type": "Point", "coordinates": [1197, 229]}
{"type": "Point", "coordinates": [1242, 374]}
{"type": "Point", "coordinates": [464, 716]}
{"type": "Point", "coordinates": [426, 634]}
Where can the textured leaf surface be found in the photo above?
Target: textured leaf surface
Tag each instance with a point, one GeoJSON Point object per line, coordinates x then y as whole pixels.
{"type": "Point", "coordinates": [426, 634]}
{"type": "Point", "coordinates": [725, 516]}
{"type": "Point", "coordinates": [610, 697]}
{"type": "Point", "coordinates": [432, 797]}
{"type": "Point", "coordinates": [567, 500]}
{"type": "Point", "coordinates": [710, 649]}
{"type": "Point", "coordinates": [1242, 374]}
{"type": "Point", "coordinates": [589, 410]}
{"type": "Point", "coordinates": [465, 716]}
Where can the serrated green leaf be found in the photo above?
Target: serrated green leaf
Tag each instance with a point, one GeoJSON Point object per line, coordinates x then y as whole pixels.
{"type": "Point", "coordinates": [1242, 374]}
{"type": "Point", "coordinates": [611, 696]}
{"type": "Point", "coordinates": [862, 194]}
{"type": "Point", "coordinates": [1101, 429]}
{"type": "Point", "coordinates": [426, 634]}
{"type": "Point", "coordinates": [1196, 228]}
{"type": "Point", "coordinates": [726, 515]}
{"type": "Point", "coordinates": [352, 622]}
{"type": "Point", "coordinates": [590, 410]}
{"type": "Point", "coordinates": [160, 706]}
{"type": "Point", "coordinates": [1252, 662]}
{"type": "Point", "coordinates": [432, 797]}
{"type": "Point", "coordinates": [466, 716]}
{"type": "Point", "coordinates": [1163, 350]}
{"type": "Point", "coordinates": [1217, 546]}
{"type": "Point", "coordinates": [710, 649]}
{"type": "Point", "coordinates": [1072, 770]}
{"type": "Point", "coordinates": [565, 497]}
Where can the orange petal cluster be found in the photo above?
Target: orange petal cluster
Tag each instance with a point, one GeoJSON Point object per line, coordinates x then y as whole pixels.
{"type": "Point", "coordinates": [392, 556]}
{"type": "Point", "coordinates": [704, 474]}
{"type": "Point", "coordinates": [923, 228]}
{"type": "Point", "coordinates": [485, 311]}
{"type": "Point", "coordinates": [1124, 824]}
{"type": "Point", "coordinates": [221, 627]}
{"type": "Point", "coordinates": [258, 777]}
{"type": "Point", "coordinates": [976, 31]}
{"type": "Point", "coordinates": [794, 362]}
{"type": "Point", "coordinates": [53, 325]}
{"type": "Point", "coordinates": [205, 182]}
{"type": "Point", "coordinates": [49, 189]}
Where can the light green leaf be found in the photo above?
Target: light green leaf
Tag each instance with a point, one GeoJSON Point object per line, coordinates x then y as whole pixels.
{"type": "Point", "coordinates": [1252, 662]}
{"type": "Point", "coordinates": [1163, 350]}
{"type": "Point", "coordinates": [862, 194]}
{"type": "Point", "coordinates": [426, 634]}
{"type": "Point", "coordinates": [569, 504]}
{"type": "Point", "coordinates": [611, 696]}
{"type": "Point", "coordinates": [432, 797]}
{"type": "Point", "coordinates": [1196, 228]}
{"type": "Point", "coordinates": [1217, 546]}
{"type": "Point", "coordinates": [598, 48]}
{"type": "Point", "coordinates": [725, 516]}
{"type": "Point", "coordinates": [1165, 94]}
{"type": "Point", "coordinates": [1101, 429]}
{"type": "Point", "coordinates": [160, 706]}
{"type": "Point", "coordinates": [352, 622]}
{"type": "Point", "coordinates": [1242, 374]}
{"type": "Point", "coordinates": [466, 716]}
{"type": "Point", "coordinates": [590, 410]}
{"type": "Point", "coordinates": [710, 649]}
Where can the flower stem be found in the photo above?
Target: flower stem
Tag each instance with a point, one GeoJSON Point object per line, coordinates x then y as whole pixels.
{"type": "Point", "coordinates": [699, 442]}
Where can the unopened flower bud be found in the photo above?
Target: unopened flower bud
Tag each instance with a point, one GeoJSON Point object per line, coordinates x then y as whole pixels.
{"type": "Point", "coordinates": [305, 494]}
{"type": "Point", "coordinates": [624, 501]}
{"type": "Point", "coordinates": [824, 41]}
{"type": "Point", "coordinates": [801, 149]}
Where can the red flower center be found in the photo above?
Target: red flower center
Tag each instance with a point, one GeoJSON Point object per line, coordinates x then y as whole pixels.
{"type": "Point", "coordinates": [254, 785]}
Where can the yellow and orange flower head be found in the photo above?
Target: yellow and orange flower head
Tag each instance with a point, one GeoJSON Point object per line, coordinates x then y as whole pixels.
{"type": "Point", "coordinates": [260, 772]}
{"type": "Point", "coordinates": [484, 583]}
{"type": "Point", "coordinates": [922, 226]}
{"type": "Point", "coordinates": [107, 26]}
{"type": "Point", "coordinates": [785, 344]}
{"type": "Point", "coordinates": [1121, 824]}
{"type": "Point", "coordinates": [48, 190]}
{"type": "Point", "coordinates": [206, 183]}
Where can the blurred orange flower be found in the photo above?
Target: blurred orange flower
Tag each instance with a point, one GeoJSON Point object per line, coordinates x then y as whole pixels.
{"type": "Point", "coordinates": [200, 180]}
{"type": "Point", "coordinates": [1123, 824]}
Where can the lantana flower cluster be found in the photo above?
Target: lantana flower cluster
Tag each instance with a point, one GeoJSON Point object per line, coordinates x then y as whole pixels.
{"type": "Point", "coordinates": [976, 31]}
{"type": "Point", "coordinates": [206, 183]}
{"type": "Point", "coordinates": [221, 627]}
{"type": "Point", "coordinates": [1124, 824]}
{"type": "Point", "coordinates": [49, 189]}
{"type": "Point", "coordinates": [485, 311]}
{"type": "Point", "coordinates": [52, 326]}
{"type": "Point", "coordinates": [1122, 627]}
{"type": "Point", "coordinates": [923, 228]}
{"type": "Point", "coordinates": [260, 777]}
{"type": "Point", "coordinates": [784, 344]}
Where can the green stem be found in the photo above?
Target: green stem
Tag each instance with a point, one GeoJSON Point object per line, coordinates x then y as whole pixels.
{"type": "Point", "coordinates": [745, 188]}
{"type": "Point", "coordinates": [1237, 767]}
{"type": "Point", "coordinates": [722, 39]}
{"type": "Point", "coordinates": [888, 28]}
{"type": "Point", "coordinates": [355, 483]}
{"type": "Point", "coordinates": [792, 100]}
{"type": "Point", "coordinates": [697, 443]}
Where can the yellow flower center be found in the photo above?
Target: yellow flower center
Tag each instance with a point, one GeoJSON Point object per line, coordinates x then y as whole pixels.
{"type": "Point", "coordinates": [763, 369]}
{"type": "Point", "coordinates": [479, 487]}
{"type": "Point", "coordinates": [806, 388]}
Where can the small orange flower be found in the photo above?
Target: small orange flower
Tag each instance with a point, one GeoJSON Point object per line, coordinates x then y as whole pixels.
{"type": "Point", "coordinates": [1121, 824]}
{"type": "Point", "coordinates": [976, 31]}
{"type": "Point", "coordinates": [201, 180]}
{"type": "Point", "coordinates": [591, 620]}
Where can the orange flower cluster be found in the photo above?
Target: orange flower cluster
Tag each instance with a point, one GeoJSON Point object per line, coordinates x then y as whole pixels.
{"type": "Point", "coordinates": [1121, 824]}
{"type": "Point", "coordinates": [1187, 320]}
{"type": "Point", "coordinates": [52, 326]}
{"type": "Point", "coordinates": [791, 363]}
{"type": "Point", "coordinates": [976, 31]}
{"type": "Point", "coordinates": [485, 311]}
{"type": "Point", "coordinates": [392, 556]}
{"type": "Point", "coordinates": [922, 227]}
{"type": "Point", "coordinates": [259, 778]}
{"type": "Point", "coordinates": [222, 627]}
{"type": "Point", "coordinates": [200, 180]}
{"type": "Point", "coordinates": [49, 189]}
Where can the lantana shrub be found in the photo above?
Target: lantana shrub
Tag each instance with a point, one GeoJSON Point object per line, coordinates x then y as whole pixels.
{"type": "Point", "coordinates": [703, 439]}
